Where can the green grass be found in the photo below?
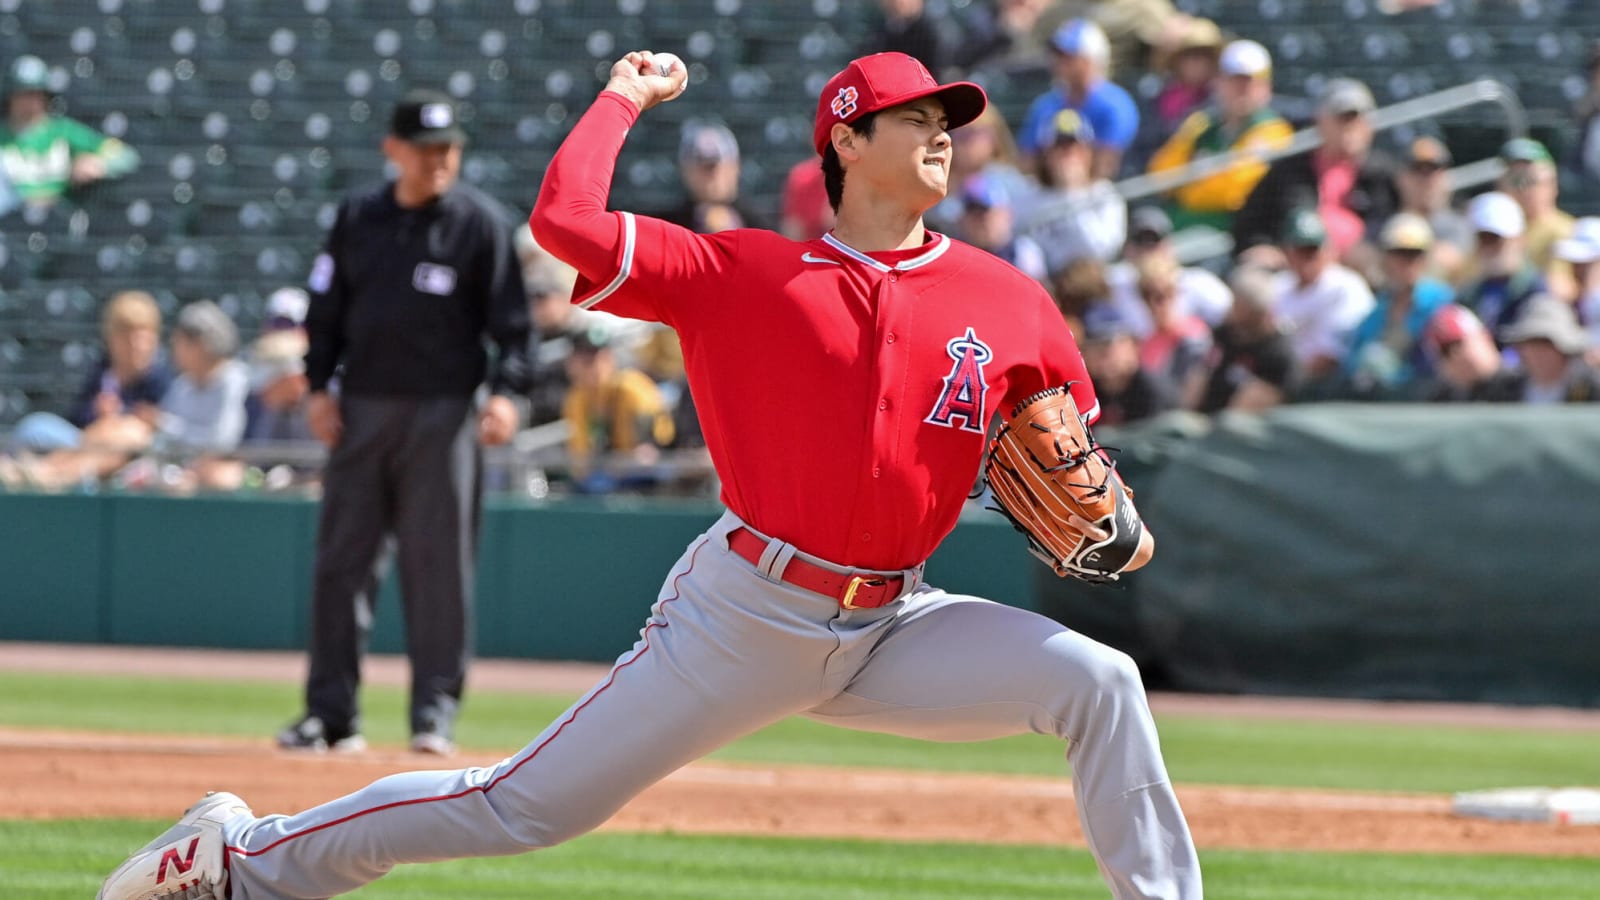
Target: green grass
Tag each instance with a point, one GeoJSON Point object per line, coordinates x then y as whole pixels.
{"type": "Point", "coordinates": [1198, 749]}
{"type": "Point", "coordinates": [48, 860]}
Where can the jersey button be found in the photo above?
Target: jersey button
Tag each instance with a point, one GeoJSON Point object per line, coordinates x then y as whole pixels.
{"type": "Point", "coordinates": [894, 276]}
{"type": "Point", "coordinates": [866, 536]}
{"type": "Point", "coordinates": [877, 472]}
{"type": "Point", "coordinates": [890, 338]}
{"type": "Point", "coordinates": [884, 403]}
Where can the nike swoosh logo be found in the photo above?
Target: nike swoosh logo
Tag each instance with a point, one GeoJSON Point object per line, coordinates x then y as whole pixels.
{"type": "Point", "coordinates": [808, 256]}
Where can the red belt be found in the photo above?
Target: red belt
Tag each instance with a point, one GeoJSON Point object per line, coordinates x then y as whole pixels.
{"type": "Point", "coordinates": [852, 591]}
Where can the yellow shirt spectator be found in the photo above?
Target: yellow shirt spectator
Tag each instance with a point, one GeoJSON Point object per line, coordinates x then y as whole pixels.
{"type": "Point", "coordinates": [1243, 121]}
{"type": "Point", "coordinates": [611, 409]}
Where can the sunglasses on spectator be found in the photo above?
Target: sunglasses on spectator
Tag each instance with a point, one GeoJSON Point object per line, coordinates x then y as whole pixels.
{"type": "Point", "coordinates": [1448, 348]}
{"type": "Point", "coordinates": [1407, 253]}
{"type": "Point", "coordinates": [1146, 238]}
{"type": "Point", "coordinates": [1427, 168]}
{"type": "Point", "coordinates": [1348, 116]}
{"type": "Point", "coordinates": [1490, 239]}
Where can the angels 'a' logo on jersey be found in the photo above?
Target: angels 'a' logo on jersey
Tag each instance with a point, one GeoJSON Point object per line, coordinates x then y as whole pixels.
{"type": "Point", "coordinates": [964, 387]}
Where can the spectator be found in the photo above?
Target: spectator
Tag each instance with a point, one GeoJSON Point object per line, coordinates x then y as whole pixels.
{"type": "Point", "coordinates": [610, 409]}
{"type": "Point", "coordinates": [1190, 70]}
{"type": "Point", "coordinates": [1127, 390]}
{"type": "Point", "coordinates": [278, 387]}
{"type": "Point", "coordinates": [1506, 277]}
{"type": "Point", "coordinates": [1139, 30]}
{"type": "Point", "coordinates": [1587, 115]}
{"type": "Point", "coordinates": [983, 146]}
{"type": "Point", "coordinates": [1466, 362]}
{"type": "Point", "coordinates": [806, 214]}
{"type": "Point", "coordinates": [1251, 366]}
{"type": "Point", "coordinates": [1077, 287]}
{"type": "Point", "coordinates": [1582, 253]}
{"type": "Point", "coordinates": [1423, 186]}
{"type": "Point", "coordinates": [202, 412]}
{"type": "Point", "coordinates": [1075, 215]}
{"type": "Point", "coordinates": [1320, 302]}
{"type": "Point", "coordinates": [905, 27]}
{"type": "Point", "coordinates": [555, 319]}
{"type": "Point", "coordinates": [986, 223]}
{"type": "Point", "coordinates": [42, 154]}
{"type": "Point", "coordinates": [1178, 341]}
{"type": "Point", "coordinates": [1350, 186]}
{"type": "Point", "coordinates": [1386, 353]}
{"type": "Point", "coordinates": [1531, 180]}
{"type": "Point", "coordinates": [1081, 55]}
{"type": "Point", "coordinates": [1244, 121]}
{"type": "Point", "coordinates": [1550, 345]}
{"type": "Point", "coordinates": [1200, 293]}
{"type": "Point", "coordinates": [1003, 38]}
{"type": "Point", "coordinates": [129, 374]}
{"type": "Point", "coordinates": [708, 163]}
{"type": "Point", "coordinates": [417, 275]}
{"type": "Point", "coordinates": [204, 409]}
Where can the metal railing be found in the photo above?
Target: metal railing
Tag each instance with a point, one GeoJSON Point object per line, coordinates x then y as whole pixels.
{"type": "Point", "coordinates": [1428, 105]}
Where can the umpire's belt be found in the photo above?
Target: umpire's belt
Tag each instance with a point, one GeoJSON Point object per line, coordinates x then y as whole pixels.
{"type": "Point", "coordinates": [853, 589]}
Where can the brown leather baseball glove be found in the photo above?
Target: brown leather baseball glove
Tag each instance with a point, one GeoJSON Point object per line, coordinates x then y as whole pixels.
{"type": "Point", "coordinates": [1049, 478]}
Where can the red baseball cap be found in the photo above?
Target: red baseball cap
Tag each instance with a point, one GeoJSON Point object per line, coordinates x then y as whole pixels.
{"type": "Point", "coordinates": [1450, 324]}
{"type": "Point", "coordinates": [883, 80]}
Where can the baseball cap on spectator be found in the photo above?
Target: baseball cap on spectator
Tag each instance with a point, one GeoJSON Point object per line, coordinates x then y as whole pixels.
{"type": "Point", "coordinates": [286, 308]}
{"type": "Point", "coordinates": [1345, 96]}
{"type": "Point", "coordinates": [1105, 321]}
{"type": "Point", "coordinates": [1452, 324]}
{"type": "Point", "coordinates": [1245, 58]}
{"type": "Point", "coordinates": [426, 117]}
{"type": "Point", "coordinates": [1545, 317]}
{"type": "Point", "coordinates": [1428, 152]}
{"type": "Point", "coordinates": [1081, 37]}
{"type": "Point", "coordinates": [1149, 224]}
{"type": "Point", "coordinates": [1526, 150]}
{"type": "Point", "coordinates": [1069, 125]}
{"type": "Point", "coordinates": [206, 324]}
{"type": "Point", "coordinates": [707, 142]}
{"type": "Point", "coordinates": [1496, 213]}
{"type": "Point", "coordinates": [1406, 231]}
{"type": "Point", "coordinates": [28, 73]}
{"type": "Point", "coordinates": [982, 192]}
{"type": "Point", "coordinates": [1305, 229]}
{"type": "Point", "coordinates": [872, 83]}
{"type": "Point", "coordinates": [1584, 244]}
{"type": "Point", "coordinates": [589, 340]}
{"type": "Point", "coordinates": [275, 355]}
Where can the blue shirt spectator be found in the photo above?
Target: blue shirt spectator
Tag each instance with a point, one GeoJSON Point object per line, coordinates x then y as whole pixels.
{"type": "Point", "coordinates": [1081, 56]}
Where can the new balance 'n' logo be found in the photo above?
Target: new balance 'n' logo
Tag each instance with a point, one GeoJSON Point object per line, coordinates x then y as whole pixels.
{"type": "Point", "coordinates": [964, 387]}
{"type": "Point", "coordinates": [180, 864]}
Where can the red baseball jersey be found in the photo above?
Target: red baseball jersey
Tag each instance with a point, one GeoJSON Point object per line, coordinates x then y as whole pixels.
{"type": "Point", "coordinates": [844, 396]}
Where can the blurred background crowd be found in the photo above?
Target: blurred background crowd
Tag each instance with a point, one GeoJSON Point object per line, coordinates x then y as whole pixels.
{"type": "Point", "coordinates": [171, 168]}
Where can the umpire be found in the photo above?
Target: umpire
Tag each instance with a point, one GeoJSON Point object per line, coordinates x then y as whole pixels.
{"type": "Point", "coordinates": [414, 273]}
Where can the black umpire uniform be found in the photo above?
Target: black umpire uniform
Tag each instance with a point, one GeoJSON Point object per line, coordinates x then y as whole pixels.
{"type": "Point", "coordinates": [402, 298]}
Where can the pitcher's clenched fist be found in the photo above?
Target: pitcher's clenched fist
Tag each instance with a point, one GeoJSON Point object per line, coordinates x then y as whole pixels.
{"type": "Point", "coordinates": [634, 76]}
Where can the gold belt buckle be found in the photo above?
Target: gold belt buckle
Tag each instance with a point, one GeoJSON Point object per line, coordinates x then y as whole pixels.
{"type": "Point", "coordinates": [854, 584]}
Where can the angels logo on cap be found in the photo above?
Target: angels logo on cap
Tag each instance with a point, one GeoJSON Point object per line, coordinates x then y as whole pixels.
{"type": "Point", "coordinates": [845, 103]}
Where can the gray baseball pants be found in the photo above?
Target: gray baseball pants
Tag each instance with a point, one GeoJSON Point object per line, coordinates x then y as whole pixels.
{"type": "Point", "coordinates": [726, 651]}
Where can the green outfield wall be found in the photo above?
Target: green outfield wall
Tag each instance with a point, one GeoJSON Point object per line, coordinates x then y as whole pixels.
{"type": "Point", "coordinates": [1375, 551]}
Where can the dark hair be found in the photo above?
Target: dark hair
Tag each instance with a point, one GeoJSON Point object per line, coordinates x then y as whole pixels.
{"type": "Point", "coordinates": [833, 169]}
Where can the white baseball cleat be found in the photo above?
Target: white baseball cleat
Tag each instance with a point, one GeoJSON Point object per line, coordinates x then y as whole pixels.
{"type": "Point", "coordinates": [186, 862]}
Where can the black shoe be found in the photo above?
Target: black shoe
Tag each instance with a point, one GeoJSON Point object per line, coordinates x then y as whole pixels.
{"type": "Point", "coordinates": [310, 734]}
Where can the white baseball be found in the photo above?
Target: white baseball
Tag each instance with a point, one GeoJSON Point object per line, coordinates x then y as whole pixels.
{"type": "Point", "coordinates": [666, 62]}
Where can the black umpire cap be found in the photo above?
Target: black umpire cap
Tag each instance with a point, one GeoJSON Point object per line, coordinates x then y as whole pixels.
{"type": "Point", "coordinates": [426, 117]}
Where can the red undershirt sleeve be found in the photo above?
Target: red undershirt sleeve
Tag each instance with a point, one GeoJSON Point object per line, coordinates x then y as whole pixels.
{"type": "Point", "coordinates": [628, 265]}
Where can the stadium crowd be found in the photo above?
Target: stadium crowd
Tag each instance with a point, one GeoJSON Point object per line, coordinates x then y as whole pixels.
{"type": "Point", "coordinates": [1356, 272]}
